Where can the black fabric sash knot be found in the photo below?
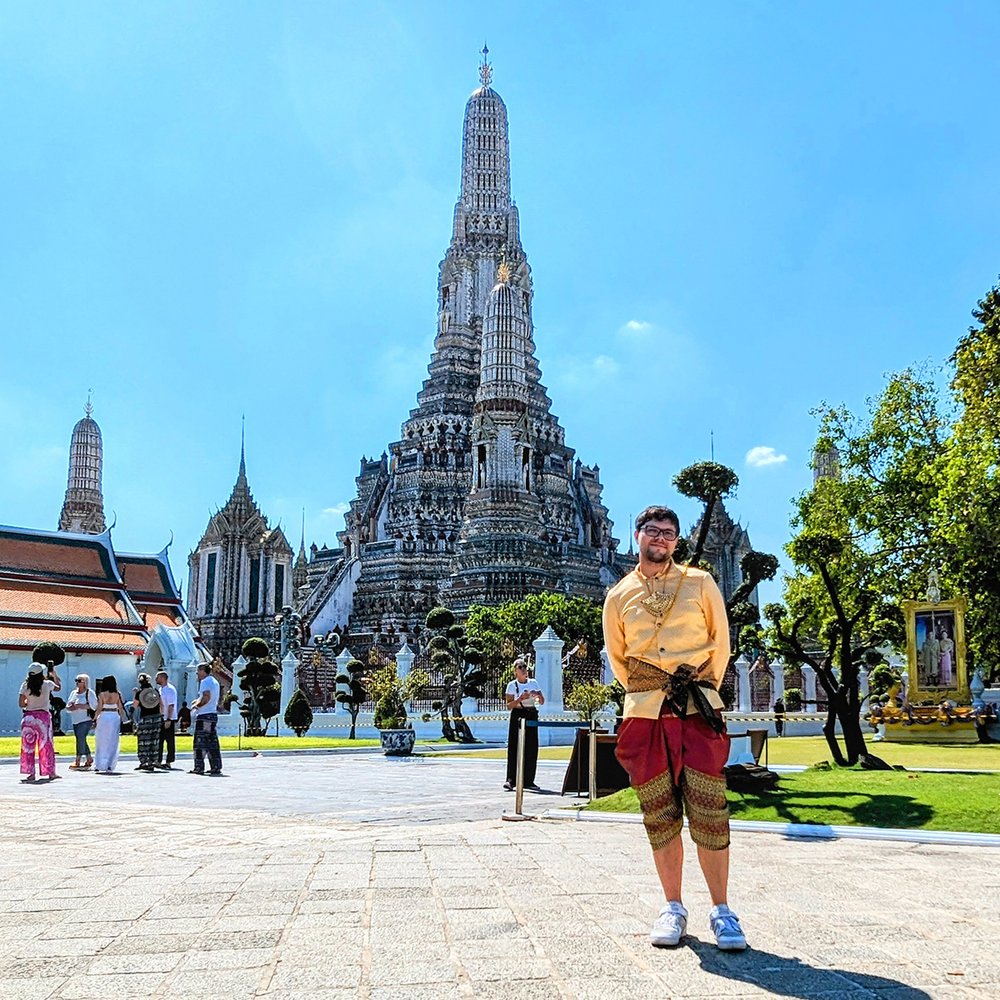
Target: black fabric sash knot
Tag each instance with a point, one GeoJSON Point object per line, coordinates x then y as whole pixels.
{"type": "Point", "coordinates": [681, 688]}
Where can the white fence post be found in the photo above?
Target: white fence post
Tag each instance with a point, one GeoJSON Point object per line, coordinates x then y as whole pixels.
{"type": "Point", "coordinates": [743, 675]}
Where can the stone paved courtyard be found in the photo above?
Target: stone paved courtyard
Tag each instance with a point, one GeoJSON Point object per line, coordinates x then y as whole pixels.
{"type": "Point", "coordinates": [356, 876]}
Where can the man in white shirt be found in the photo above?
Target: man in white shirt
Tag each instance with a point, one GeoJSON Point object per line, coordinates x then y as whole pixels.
{"type": "Point", "coordinates": [168, 720]}
{"type": "Point", "coordinates": [206, 735]}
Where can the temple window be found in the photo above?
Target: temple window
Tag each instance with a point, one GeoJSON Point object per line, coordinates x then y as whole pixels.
{"type": "Point", "coordinates": [210, 583]}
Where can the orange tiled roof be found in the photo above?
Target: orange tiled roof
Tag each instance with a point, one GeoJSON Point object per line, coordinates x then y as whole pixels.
{"type": "Point", "coordinates": [54, 557]}
{"type": "Point", "coordinates": [154, 615]}
{"type": "Point", "coordinates": [50, 600]}
{"type": "Point", "coordinates": [23, 637]}
{"type": "Point", "coordinates": [143, 577]}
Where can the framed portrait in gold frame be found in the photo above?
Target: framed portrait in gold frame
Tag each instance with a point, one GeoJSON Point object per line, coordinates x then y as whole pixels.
{"type": "Point", "coordinates": [935, 644]}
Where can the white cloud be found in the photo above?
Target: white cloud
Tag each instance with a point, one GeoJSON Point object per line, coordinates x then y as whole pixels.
{"type": "Point", "coordinates": [763, 455]}
{"type": "Point", "coordinates": [338, 510]}
{"type": "Point", "coordinates": [584, 373]}
{"type": "Point", "coordinates": [604, 366]}
{"type": "Point", "coordinates": [635, 328]}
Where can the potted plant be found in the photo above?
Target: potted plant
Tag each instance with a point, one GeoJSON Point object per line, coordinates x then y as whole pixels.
{"type": "Point", "coordinates": [391, 695]}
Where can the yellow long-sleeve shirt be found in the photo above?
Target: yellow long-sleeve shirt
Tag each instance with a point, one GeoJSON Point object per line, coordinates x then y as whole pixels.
{"type": "Point", "coordinates": [695, 631]}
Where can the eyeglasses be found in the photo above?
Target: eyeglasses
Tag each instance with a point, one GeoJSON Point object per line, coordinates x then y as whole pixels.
{"type": "Point", "coordinates": [667, 534]}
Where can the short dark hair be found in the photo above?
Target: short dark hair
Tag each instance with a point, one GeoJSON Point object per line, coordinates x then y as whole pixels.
{"type": "Point", "coordinates": [207, 667]}
{"type": "Point", "coordinates": [658, 513]}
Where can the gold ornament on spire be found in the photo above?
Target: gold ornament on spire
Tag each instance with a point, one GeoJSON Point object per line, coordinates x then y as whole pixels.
{"type": "Point", "coordinates": [485, 69]}
{"type": "Point", "coordinates": [503, 273]}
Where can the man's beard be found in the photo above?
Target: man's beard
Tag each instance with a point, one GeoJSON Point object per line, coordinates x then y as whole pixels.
{"type": "Point", "coordinates": [655, 554]}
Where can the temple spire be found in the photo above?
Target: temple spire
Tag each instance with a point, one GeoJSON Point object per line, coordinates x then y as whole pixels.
{"type": "Point", "coordinates": [485, 69]}
{"type": "Point", "coordinates": [243, 449]}
{"type": "Point", "coordinates": [83, 506]}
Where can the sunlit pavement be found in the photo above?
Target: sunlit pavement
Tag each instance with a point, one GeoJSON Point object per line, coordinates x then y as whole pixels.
{"type": "Point", "coordinates": [360, 876]}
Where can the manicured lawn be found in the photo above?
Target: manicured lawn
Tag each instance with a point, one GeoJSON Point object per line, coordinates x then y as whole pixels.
{"type": "Point", "coordinates": [851, 797]}
{"type": "Point", "coordinates": [813, 749]}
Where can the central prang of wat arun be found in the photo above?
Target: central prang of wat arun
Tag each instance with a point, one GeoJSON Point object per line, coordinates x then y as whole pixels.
{"type": "Point", "coordinates": [480, 501]}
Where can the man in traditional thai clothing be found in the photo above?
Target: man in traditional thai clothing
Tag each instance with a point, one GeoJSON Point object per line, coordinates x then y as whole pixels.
{"type": "Point", "coordinates": [667, 636]}
{"type": "Point", "coordinates": [930, 655]}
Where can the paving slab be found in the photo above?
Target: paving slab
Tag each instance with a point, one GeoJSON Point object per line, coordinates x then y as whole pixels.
{"type": "Point", "coordinates": [359, 876]}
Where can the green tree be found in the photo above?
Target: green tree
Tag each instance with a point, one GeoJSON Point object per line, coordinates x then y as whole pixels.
{"type": "Point", "coordinates": [261, 680]}
{"type": "Point", "coordinates": [589, 698]}
{"type": "Point", "coordinates": [351, 691]}
{"type": "Point", "coordinates": [459, 659]}
{"type": "Point", "coordinates": [298, 713]}
{"type": "Point", "coordinates": [969, 494]}
{"type": "Point", "coordinates": [864, 540]}
{"type": "Point", "coordinates": [513, 626]}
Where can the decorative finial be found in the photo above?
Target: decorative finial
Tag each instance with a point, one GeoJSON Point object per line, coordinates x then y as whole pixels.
{"type": "Point", "coordinates": [243, 452]}
{"type": "Point", "coordinates": [933, 587]}
{"type": "Point", "coordinates": [89, 408]}
{"type": "Point", "coordinates": [485, 69]}
{"type": "Point", "coordinates": [503, 268]}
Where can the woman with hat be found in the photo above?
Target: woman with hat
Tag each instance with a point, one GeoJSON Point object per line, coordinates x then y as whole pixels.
{"type": "Point", "coordinates": [108, 722]}
{"type": "Point", "coordinates": [147, 701]}
{"type": "Point", "coordinates": [82, 702]}
{"type": "Point", "coordinates": [36, 722]}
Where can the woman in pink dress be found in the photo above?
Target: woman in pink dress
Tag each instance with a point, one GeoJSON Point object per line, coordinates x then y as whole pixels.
{"type": "Point", "coordinates": [36, 723]}
{"type": "Point", "coordinates": [947, 652]}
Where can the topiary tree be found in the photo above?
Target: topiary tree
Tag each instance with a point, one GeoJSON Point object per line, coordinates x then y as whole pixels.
{"type": "Point", "coordinates": [351, 691]}
{"type": "Point", "coordinates": [460, 661]}
{"type": "Point", "coordinates": [298, 713]}
{"type": "Point", "coordinates": [261, 680]}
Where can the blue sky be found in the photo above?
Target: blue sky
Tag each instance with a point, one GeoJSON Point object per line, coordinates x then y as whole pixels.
{"type": "Point", "coordinates": [732, 213]}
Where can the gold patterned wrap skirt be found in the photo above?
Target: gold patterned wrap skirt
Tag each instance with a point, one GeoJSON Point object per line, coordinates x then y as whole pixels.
{"type": "Point", "coordinates": [675, 764]}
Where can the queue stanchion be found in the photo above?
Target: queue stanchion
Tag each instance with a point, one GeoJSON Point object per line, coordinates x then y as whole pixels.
{"type": "Point", "coordinates": [519, 794]}
{"type": "Point", "coordinates": [592, 762]}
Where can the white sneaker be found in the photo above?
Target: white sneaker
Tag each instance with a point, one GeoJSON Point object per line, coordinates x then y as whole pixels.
{"type": "Point", "coordinates": [725, 926]}
{"type": "Point", "coordinates": [669, 926]}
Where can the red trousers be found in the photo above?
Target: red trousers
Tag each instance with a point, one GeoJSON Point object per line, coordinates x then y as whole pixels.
{"type": "Point", "coordinates": [675, 765]}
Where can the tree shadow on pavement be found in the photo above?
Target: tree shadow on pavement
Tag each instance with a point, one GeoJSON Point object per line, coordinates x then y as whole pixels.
{"type": "Point", "coordinates": [791, 977]}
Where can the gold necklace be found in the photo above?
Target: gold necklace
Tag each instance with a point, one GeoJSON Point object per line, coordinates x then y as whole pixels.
{"type": "Point", "coordinates": [658, 603]}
